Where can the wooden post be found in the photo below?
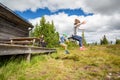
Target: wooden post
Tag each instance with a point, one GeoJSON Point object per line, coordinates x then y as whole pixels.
{"type": "Point", "coordinates": [11, 41]}
{"type": "Point", "coordinates": [33, 42]}
{"type": "Point", "coordinates": [28, 56]}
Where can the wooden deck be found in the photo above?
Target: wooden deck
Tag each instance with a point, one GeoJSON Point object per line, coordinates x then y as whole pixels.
{"type": "Point", "coordinates": [7, 49]}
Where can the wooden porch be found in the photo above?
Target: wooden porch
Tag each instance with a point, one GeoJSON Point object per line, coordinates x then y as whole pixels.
{"type": "Point", "coordinates": [8, 49]}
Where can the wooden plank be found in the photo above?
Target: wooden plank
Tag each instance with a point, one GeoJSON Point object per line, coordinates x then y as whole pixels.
{"type": "Point", "coordinates": [13, 28]}
{"type": "Point", "coordinates": [19, 42]}
{"type": "Point", "coordinates": [17, 27]}
{"type": "Point", "coordinates": [6, 49]}
{"type": "Point", "coordinates": [23, 38]}
{"type": "Point", "coordinates": [10, 30]}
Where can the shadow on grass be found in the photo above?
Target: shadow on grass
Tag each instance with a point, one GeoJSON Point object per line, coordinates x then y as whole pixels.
{"type": "Point", "coordinates": [74, 58]}
{"type": "Point", "coordinates": [4, 60]}
{"type": "Point", "coordinates": [67, 57]}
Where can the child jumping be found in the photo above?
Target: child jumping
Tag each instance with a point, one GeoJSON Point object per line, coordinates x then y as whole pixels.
{"type": "Point", "coordinates": [77, 24]}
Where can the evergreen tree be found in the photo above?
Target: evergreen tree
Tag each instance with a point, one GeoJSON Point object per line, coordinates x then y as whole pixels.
{"type": "Point", "coordinates": [117, 41]}
{"type": "Point", "coordinates": [83, 38]}
{"type": "Point", "coordinates": [48, 30]}
{"type": "Point", "coordinates": [104, 41]}
{"type": "Point", "coordinates": [96, 43]}
{"type": "Point", "coordinates": [36, 31]}
{"type": "Point", "coordinates": [101, 41]}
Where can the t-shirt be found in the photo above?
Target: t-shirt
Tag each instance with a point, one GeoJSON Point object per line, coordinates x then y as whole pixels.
{"type": "Point", "coordinates": [76, 28]}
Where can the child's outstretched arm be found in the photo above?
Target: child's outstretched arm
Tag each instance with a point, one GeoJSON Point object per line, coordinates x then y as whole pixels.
{"type": "Point", "coordinates": [78, 25]}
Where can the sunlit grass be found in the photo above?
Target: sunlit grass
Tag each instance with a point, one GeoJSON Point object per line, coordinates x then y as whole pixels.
{"type": "Point", "coordinates": [95, 63]}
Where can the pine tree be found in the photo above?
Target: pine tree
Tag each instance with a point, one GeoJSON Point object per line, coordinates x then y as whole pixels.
{"type": "Point", "coordinates": [83, 38]}
{"type": "Point", "coordinates": [104, 41]}
{"type": "Point", "coordinates": [36, 31]}
{"type": "Point", "coordinates": [48, 30]}
{"type": "Point", "coordinates": [117, 41]}
{"type": "Point", "coordinates": [101, 41]}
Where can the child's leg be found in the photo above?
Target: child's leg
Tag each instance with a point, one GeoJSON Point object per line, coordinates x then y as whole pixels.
{"type": "Point", "coordinates": [78, 38]}
{"type": "Point", "coordinates": [80, 41]}
{"type": "Point", "coordinates": [65, 47]}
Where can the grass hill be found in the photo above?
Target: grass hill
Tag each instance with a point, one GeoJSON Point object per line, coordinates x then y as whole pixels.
{"type": "Point", "coordinates": [96, 63]}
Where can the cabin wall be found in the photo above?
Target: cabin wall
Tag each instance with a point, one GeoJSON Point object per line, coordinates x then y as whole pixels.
{"type": "Point", "coordinates": [10, 30]}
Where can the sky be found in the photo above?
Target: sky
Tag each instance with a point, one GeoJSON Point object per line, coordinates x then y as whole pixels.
{"type": "Point", "coordinates": [102, 16]}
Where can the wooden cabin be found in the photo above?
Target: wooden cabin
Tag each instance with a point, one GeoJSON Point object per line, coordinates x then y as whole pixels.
{"type": "Point", "coordinates": [12, 25]}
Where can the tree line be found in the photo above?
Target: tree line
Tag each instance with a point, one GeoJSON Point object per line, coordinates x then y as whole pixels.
{"type": "Point", "coordinates": [105, 41]}
{"type": "Point", "coordinates": [51, 36]}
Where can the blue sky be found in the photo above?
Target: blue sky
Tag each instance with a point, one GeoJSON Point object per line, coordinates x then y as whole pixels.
{"type": "Point", "coordinates": [102, 16]}
{"type": "Point", "coordinates": [28, 14]}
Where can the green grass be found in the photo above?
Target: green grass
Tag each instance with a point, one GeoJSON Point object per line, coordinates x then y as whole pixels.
{"type": "Point", "coordinates": [96, 63]}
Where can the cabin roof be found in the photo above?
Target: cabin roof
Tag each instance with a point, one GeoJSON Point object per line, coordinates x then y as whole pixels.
{"type": "Point", "coordinates": [11, 16]}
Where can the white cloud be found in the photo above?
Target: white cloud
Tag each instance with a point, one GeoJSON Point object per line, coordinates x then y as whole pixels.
{"type": "Point", "coordinates": [95, 28]}
{"type": "Point", "coordinates": [93, 6]}
{"type": "Point", "coordinates": [53, 5]}
{"type": "Point", "coordinates": [107, 7]}
{"type": "Point", "coordinates": [106, 18]}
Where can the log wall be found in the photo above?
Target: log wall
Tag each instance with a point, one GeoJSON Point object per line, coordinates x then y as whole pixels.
{"type": "Point", "coordinates": [10, 30]}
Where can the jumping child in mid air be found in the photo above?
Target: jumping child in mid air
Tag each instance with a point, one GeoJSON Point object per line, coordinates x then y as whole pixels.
{"type": "Point", "coordinates": [77, 24]}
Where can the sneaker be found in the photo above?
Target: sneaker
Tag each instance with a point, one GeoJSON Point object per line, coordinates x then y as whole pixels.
{"type": "Point", "coordinates": [82, 48]}
{"type": "Point", "coordinates": [67, 52]}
